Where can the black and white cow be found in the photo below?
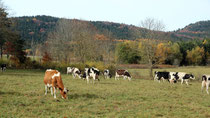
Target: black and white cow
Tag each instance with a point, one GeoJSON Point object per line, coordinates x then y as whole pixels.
{"type": "Point", "coordinates": [84, 75]}
{"type": "Point", "coordinates": [205, 82]}
{"type": "Point", "coordinates": [169, 76]}
{"type": "Point", "coordinates": [107, 74]}
{"type": "Point", "coordinates": [91, 73]}
{"type": "Point", "coordinates": [75, 72]}
{"type": "Point", "coordinates": [122, 73]}
{"type": "Point", "coordinates": [3, 67]}
{"type": "Point", "coordinates": [184, 77]}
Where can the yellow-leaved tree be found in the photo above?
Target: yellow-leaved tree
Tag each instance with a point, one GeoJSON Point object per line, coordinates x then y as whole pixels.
{"type": "Point", "coordinates": [161, 53]}
{"type": "Point", "coordinates": [195, 56]}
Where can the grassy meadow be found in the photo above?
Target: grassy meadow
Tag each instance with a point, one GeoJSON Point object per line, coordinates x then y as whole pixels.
{"type": "Point", "coordinates": [22, 95]}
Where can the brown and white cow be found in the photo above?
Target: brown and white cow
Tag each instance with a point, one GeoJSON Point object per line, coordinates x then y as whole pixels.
{"type": "Point", "coordinates": [124, 73]}
{"type": "Point", "coordinates": [52, 80]}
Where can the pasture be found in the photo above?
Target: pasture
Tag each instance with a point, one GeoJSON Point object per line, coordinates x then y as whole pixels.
{"type": "Point", "coordinates": [22, 95]}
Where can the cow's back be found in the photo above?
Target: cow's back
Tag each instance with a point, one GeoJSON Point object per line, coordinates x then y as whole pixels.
{"type": "Point", "coordinates": [48, 76]}
{"type": "Point", "coordinates": [120, 72]}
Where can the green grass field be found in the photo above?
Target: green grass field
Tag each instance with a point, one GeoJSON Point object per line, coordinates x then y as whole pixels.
{"type": "Point", "coordinates": [22, 95]}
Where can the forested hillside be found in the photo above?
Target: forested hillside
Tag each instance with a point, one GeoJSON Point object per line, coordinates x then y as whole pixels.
{"type": "Point", "coordinates": [198, 30]}
{"type": "Point", "coordinates": [120, 31]}
{"type": "Point", "coordinates": [81, 41]}
{"type": "Point", "coordinates": [34, 29]}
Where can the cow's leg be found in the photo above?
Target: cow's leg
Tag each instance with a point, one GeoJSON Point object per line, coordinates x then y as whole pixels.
{"type": "Point", "coordinates": [207, 87]}
{"type": "Point", "coordinates": [73, 76]}
{"type": "Point", "coordinates": [54, 92]}
{"type": "Point", "coordinates": [124, 77]}
{"type": "Point", "coordinates": [51, 88]}
{"type": "Point", "coordinates": [46, 89]}
{"type": "Point", "coordinates": [154, 78]}
{"type": "Point", "coordinates": [163, 79]}
{"type": "Point", "coordinates": [182, 80]}
{"type": "Point", "coordinates": [186, 81]}
{"type": "Point", "coordinates": [203, 85]}
{"type": "Point", "coordinates": [170, 81]}
{"type": "Point", "coordinates": [87, 79]}
{"type": "Point", "coordinates": [116, 77]}
{"type": "Point", "coordinates": [159, 79]}
{"type": "Point", "coordinates": [94, 78]}
{"type": "Point", "coordinates": [79, 76]}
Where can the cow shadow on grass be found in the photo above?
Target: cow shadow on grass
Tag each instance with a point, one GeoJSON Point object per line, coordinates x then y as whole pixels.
{"type": "Point", "coordinates": [10, 93]}
{"type": "Point", "coordinates": [87, 96]}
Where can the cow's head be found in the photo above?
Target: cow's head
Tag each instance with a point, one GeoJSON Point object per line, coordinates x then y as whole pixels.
{"type": "Point", "coordinates": [204, 78]}
{"type": "Point", "coordinates": [176, 77]}
{"type": "Point", "coordinates": [156, 72]}
{"type": "Point", "coordinates": [64, 93]}
{"type": "Point", "coordinates": [106, 71]}
{"type": "Point", "coordinates": [83, 76]}
{"type": "Point", "coordinates": [70, 69]}
{"type": "Point", "coordinates": [192, 76]}
{"type": "Point", "coordinates": [155, 77]}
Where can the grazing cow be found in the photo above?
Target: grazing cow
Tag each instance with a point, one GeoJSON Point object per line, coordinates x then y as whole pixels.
{"type": "Point", "coordinates": [161, 75]}
{"type": "Point", "coordinates": [91, 73]}
{"type": "Point", "coordinates": [107, 74]}
{"type": "Point", "coordinates": [75, 72]}
{"type": "Point", "coordinates": [184, 77]}
{"type": "Point", "coordinates": [3, 67]}
{"type": "Point", "coordinates": [52, 80]}
{"type": "Point", "coordinates": [169, 76]}
{"type": "Point", "coordinates": [83, 76]}
{"type": "Point", "coordinates": [205, 82]}
{"type": "Point", "coordinates": [124, 73]}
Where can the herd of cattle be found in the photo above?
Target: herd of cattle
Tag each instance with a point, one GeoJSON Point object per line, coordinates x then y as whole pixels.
{"type": "Point", "coordinates": [52, 78]}
{"type": "Point", "coordinates": [94, 73]}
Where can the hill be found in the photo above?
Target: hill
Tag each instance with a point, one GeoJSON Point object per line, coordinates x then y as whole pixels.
{"type": "Point", "coordinates": [198, 30]}
{"type": "Point", "coordinates": [34, 29]}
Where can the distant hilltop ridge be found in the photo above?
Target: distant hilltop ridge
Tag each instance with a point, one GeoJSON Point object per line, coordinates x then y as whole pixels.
{"type": "Point", "coordinates": [37, 27]}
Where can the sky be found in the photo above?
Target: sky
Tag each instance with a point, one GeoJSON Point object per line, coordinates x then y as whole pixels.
{"type": "Point", "coordinates": [173, 13]}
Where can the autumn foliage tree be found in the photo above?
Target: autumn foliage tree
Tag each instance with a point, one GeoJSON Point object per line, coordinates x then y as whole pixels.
{"type": "Point", "coordinates": [162, 53]}
{"type": "Point", "coordinates": [46, 58]}
{"type": "Point", "coordinates": [195, 56]}
{"type": "Point", "coordinates": [15, 47]}
{"type": "Point", "coordinates": [127, 52]}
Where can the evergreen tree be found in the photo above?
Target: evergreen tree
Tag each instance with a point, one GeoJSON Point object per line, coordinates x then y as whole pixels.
{"type": "Point", "coordinates": [4, 27]}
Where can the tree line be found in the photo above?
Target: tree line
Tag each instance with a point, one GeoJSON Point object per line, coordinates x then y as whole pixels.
{"type": "Point", "coordinates": [76, 41]}
{"type": "Point", "coordinates": [194, 52]}
{"type": "Point", "coordinates": [10, 42]}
